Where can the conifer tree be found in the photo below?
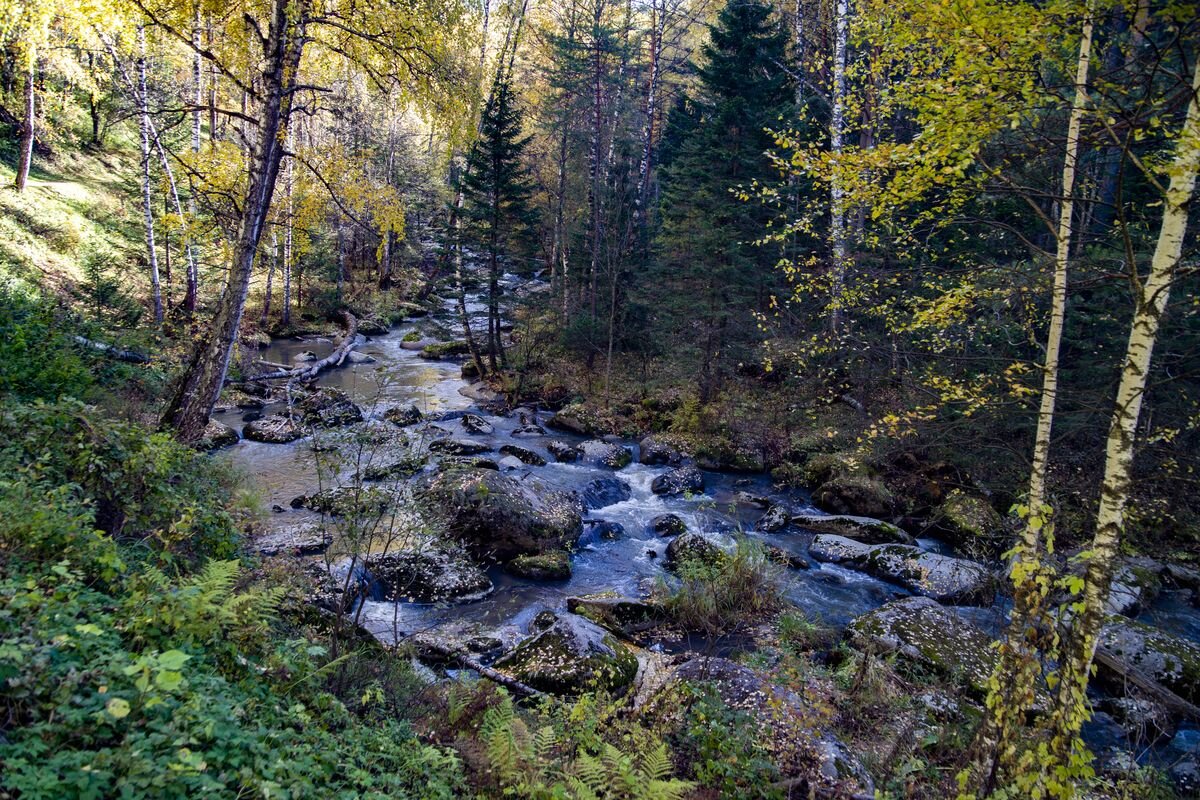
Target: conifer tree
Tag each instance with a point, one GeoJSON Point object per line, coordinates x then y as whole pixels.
{"type": "Point", "coordinates": [711, 275]}
{"type": "Point", "coordinates": [496, 194]}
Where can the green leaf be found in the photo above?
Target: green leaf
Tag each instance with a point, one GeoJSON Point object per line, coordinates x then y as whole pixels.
{"type": "Point", "coordinates": [117, 707]}
{"type": "Point", "coordinates": [173, 659]}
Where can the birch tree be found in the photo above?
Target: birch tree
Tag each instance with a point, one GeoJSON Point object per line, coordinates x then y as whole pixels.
{"type": "Point", "coordinates": [141, 97]}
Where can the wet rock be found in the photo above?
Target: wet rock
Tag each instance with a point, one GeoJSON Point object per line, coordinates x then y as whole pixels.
{"type": "Point", "coordinates": [273, 429]}
{"type": "Point", "coordinates": [855, 495]}
{"type": "Point", "coordinates": [1185, 773]}
{"type": "Point", "coordinates": [509, 463]}
{"type": "Point", "coordinates": [603, 529]}
{"type": "Point", "coordinates": [473, 423]}
{"type": "Point", "coordinates": [298, 539]}
{"type": "Point", "coordinates": [1169, 660]}
{"type": "Point", "coordinates": [456, 636]}
{"type": "Point", "coordinates": [372, 327]}
{"type": "Point", "coordinates": [426, 576]}
{"type": "Point", "coordinates": [575, 418]}
{"type": "Point", "coordinates": [971, 524]}
{"type": "Point", "coordinates": [497, 516]}
{"type": "Point", "coordinates": [679, 481]}
{"type": "Point", "coordinates": [531, 430]}
{"type": "Point", "coordinates": [329, 408]}
{"type": "Point", "coordinates": [252, 416]}
{"type": "Point", "coordinates": [777, 555]}
{"type": "Point", "coordinates": [524, 455]}
{"type": "Point", "coordinates": [692, 547]}
{"type": "Point", "coordinates": [1142, 719]}
{"type": "Point", "coordinates": [861, 529]}
{"type": "Point", "coordinates": [946, 579]}
{"type": "Point", "coordinates": [346, 501]}
{"type": "Point", "coordinates": [444, 350]}
{"type": "Point", "coordinates": [751, 499]}
{"type": "Point", "coordinates": [784, 722]}
{"type": "Point", "coordinates": [606, 454]}
{"type": "Point", "coordinates": [622, 615]}
{"type": "Point", "coordinates": [304, 356]}
{"type": "Point", "coordinates": [217, 435]}
{"type": "Point", "coordinates": [919, 629]}
{"type": "Point", "coordinates": [571, 656]}
{"type": "Point", "coordinates": [653, 450]}
{"type": "Point", "coordinates": [776, 519]}
{"type": "Point", "coordinates": [1135, 584]}
{"type": "Point", "coordinates": [470, 462]}
{"type": "Point", "coordinates": [469, 370]}
{"type": "Point", "coordinates": [668, 525]}
{"type": "Point", "coordinates": [604, 492]}
{"type": "Point", "coordinates": [400, 468]}
{"type": "Point", "coordinates": [458, 447]}
{"type": "Point", "coordinates": [355, 357]}
{"type": "Point", "coordinates": [563, 451]}
{"type": "Point", "coordinates": [542, 620]}
{"type": "Point", "coordinates": [403, 415]}
{"type": "Point", "coordinates": [553, 565]}
{"type": "Point", "coordinates": [737, 458]}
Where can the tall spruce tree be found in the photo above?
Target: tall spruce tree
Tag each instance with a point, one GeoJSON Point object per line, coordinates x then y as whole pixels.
{"type": "Point", "coordinates": [496, 192]}
{"type": "Point", "coordinates": [710, 274]}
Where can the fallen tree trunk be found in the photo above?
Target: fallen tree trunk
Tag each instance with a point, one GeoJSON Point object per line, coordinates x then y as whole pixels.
{"type": "Point", "coordinates": [334, 359]}
{"type": "Point", "coordinates": [508, 682]}
{"type": "Point", "coordinates": [132, 356]}
{"type": "Point", "coordinates": [1135, 677]}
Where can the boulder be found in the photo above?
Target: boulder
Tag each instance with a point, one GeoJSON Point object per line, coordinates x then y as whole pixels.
{"type": "Point", "coordinates": [775, 520]}
{"type": "Point", "coordinates": [971, 524]}
{"type": "Point", "coordinates": [304, 356]}
{"type": "Point", "coordinates": [305, 538]}
{"type": "Point", "coordinates": [470, 462]}
{"type": "Point", "coordinates": [575, 418]}
{"type": "Point", "coordinates": [217, 435]}
{"type": "Point", "coordinates": [571, 656]}
{"type": "Point", "coordinates": [329, 408]}
{"type": "Point", "coordinates": [622, 615]}
{"type": "Point", "coordinates": [456, 636]}
{"type": "Point", "coordinates": [1135, 584]}
{"type": "Point", "coordinates": [820, 468]}
{"type": "Point", "coordinates": [919, 629]}
{"type": "Point", "coordinates": [346, 501]}
{"type": "Point", "coordinates": [400, 468]}
{"type": "Point", "coordinates": [403, 415]}
{"type": "Point", "coordinates": [1169, 660]}
{"type": "Point", "coordinates": [679, 481]}
{"type": "Point", "coordinates": [372, 327]}
{"type": "Point", "coordinates": [498, 516]}
{"type": "Point", "coordinates": [784, 558]}
{"type": "Point", "coordinates": [855, 495]}
{"type": "Point", "coordinates": [606, 454]}
{"type": "Point", "coordinates": [652, 450]}
{"type": "Point", "coordinates": [692, 547]}
{"type": "Point", "coordinates": [784, 723]}
{"type": "Point", "coordinates": [426, 576]}
{"type": "Point", "coordinates": [755, 500]}
{"type": "Point", "coordinates": [668, 525]}
{"type": "Point", "coordinates": [273, 429]}
{"type": "Point", "coordinates": [523, 454]}
{"type": "Point", "coordinates": [530, 430]}
{"type": "Point", "coordinates": [553, 565]}
{"type": "Point", "coordinates": [355, 357]}
{"type": "Point", "coordinates": [458, 447]}
{"type": "Point", "coordinates": [603, 492]}
{"type": "Point", "coordinates": [563, 451]}
{"type": "Point", "coordinates": [473, 423]}
{"type": "Point", "coordinates": [444, 350]}
{"type": "Point", "coordinates": [861, 529]}
{"type": "Point", "coordinates": [946, 579]}
{"type": "Point", "coordinates": [603, 529]}
{"type": "Point", "coordinates": [510, 463]}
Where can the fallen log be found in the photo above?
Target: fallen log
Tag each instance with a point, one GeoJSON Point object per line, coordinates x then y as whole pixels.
{"type": "Point", "coordinates": [1135, 677]}
{"type": "Point", "coordinates": [132, 356]}
{"type": "Point", "coordinates": [508, 682]}
{"type": "Point", "coordinates": [334, 359]}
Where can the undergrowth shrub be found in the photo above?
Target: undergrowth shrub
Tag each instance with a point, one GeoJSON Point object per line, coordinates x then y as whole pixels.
{"type": "Point", "coordinates": [717, 596]}
{"type": "Point", "coordinates": [37, 358]}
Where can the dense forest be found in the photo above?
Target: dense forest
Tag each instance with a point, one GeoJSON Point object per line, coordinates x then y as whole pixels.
{"type": "Point", "coordinates": [599, 399]}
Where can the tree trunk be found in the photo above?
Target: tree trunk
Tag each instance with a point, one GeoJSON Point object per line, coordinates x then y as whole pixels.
{"type": "Point", "coordinates": [1150, 299]}
{"type": "Point", "coordinates": [25, 145]}
{"type": "Point", "coordinates": [143, 103]}
{"type": "Point", "coordinates": [837, 193]}
{"type": "Point", "coordinates": [197, 391]}
{"type": "Point", "coordinates": [288, 178]}
{"type": "Point", "coordinates": [193, 277]}
{"type": "Point", "coordinates": [266, 308]}
{"type": "Point", "coordinates": [1018, 669]}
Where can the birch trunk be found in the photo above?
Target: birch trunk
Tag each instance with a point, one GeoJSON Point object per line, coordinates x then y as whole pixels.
{"type": "Point", "coordinates": [197, 391]}
{"type": "Point", "coordinates": [147, 208]}
{"type": "Point", "coordinates": [1150, 298]}
{"type": "Point", "coordinates": [1016, 674]}
{"type": "Point", "coordinates": [288, 178]}
{"type": "Point", "coordinates": [193, 278]}
{"type": "Point", "coordinates": [837, 193]}
{"type": "Point", "coordinates": [25, 146]}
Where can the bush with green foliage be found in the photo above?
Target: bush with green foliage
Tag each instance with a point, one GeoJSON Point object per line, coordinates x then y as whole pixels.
{"type": "Point", "coordinates": [719, 596]}
{"type": "Point", "coordinates": [37, 358]}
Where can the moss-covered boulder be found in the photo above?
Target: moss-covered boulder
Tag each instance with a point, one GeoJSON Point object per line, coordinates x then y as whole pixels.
{"type": "Point", "coordinates": [444, 350]}
{"type": "Point", "coordinates": [776, 519]}
{"type": "Point", "coordinates": [920, 629]}
{"type": "Point", "coordinates": [302, 538]}
{"type": "Point", "coordinates": [274, 429]}
{"type": "Point", "coordinates": [946, 579]}
{"type": "Point", "coordinates": [458, 447]}
{"type": "Point", "coordinates": [577, 418]}
{"type": "Point", "coordinates": [563, 451]}
{"type": "Point", "coordinates": [668, 525]}
{"type": "Point", "coordinates": [346, 501]}
{"type": "Point", "coordinates": [497, 516]}
{"type": "Point", "coordinates": [571, 656]}
{"type": "Point", "coordinates": [857, 495]}
{"type": "Point", "coordinates": [426, 576]}
{"type": "Point", "coordinates": [403, 416]}
{"type": "Point", "coordinates": [971, 524]}
{"type": "Point", "coordinates": [861, 529]}
{"type": "Point", "coordinates": [553, 565]}
{"type": "Point", "coordinates": [328, 407]}
{"type": "Point", "coordinates": [655, 450]}
{"type": "Point", "coordinates": [606, 454]}
{"type": "Point", "coordinates": [680, 480]}
{"type": "Point", "coordinates": [394, 469]}
{"type": "Point", "coordinates": [217, 435]}
{"type": "Point", "coordinates": [1170, 660]}
{"type": "Point", "coordinates": [622, 615]}
{"type": "Point", "coordinates": [819, 468]}
{"type": "Point", "coordinates": [369, 326]}
{"type": "Point", "coordinates": [693, 548]}
{"type": "Point", "coordinates": [523, 454]}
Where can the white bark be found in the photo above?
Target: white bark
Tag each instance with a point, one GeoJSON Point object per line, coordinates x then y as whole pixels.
{"type": "Point", "coordinates": [837, 193]}
{"type": "Point", "coordinates": [147, 209]}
